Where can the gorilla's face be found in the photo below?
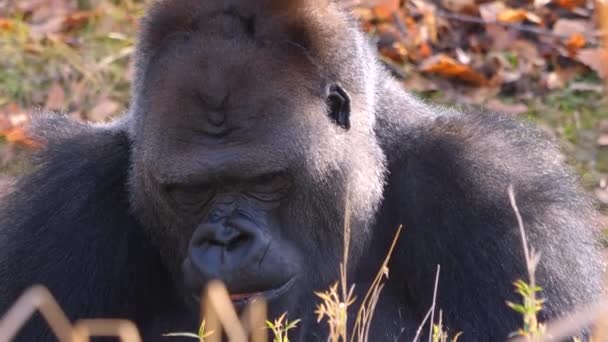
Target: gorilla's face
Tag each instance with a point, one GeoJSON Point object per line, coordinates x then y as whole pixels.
{"type": "Point", "coordinates": [237, 235]}
{"type": "Point", "coordinates": [242, 160]}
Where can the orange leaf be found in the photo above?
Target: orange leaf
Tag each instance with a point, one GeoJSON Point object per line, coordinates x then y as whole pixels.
{"type": "Point", "coordinates": [384, 9]}
{"type": "Point", "coordinates": [397, 52]}
{"type": "Point", "coordinates": [382, 13]}
{"type": "Point", "coordinates": [17, 135]}
{"type": "Point", "coordinates": [6, 24]}
{"type": "Point", "coordinates": [512, 16]}
{"type": "Point", "coordinates": [570, 4]}
{"type": "Point", "coordinates": [425, 50]}
{"type": "Point", "coordinates": [78, 19]}
{"type": "Point", "coordinates": [446, 66]}
{"type": "Point", "coordinates": [575, 42]}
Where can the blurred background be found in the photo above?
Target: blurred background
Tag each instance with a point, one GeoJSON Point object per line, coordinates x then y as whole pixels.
{"type": "Point", "coordinates": [543, 60]}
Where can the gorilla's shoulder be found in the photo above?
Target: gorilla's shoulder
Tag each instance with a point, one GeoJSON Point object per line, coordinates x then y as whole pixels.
{"type": "Point", "coordinates": [78, 163]}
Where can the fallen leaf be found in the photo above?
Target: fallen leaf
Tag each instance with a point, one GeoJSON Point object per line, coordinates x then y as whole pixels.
{"type": "Point", "coordinates": [570, 4]}
{"type": "Point", "coordinates": [103, 110]}
{"type": "Point", "coordinates": [596, 59]}
{"type": "Point", "coordinates": [512, 15]}
{"type": "Point", "coordinates": [569, 27]}
{"type": "Point", "coordinates": [424, 50]}
{"type": "Point", "coordinates": [446, 66]}
{"type": "Point", "coordinates": [6, 24]}
{"type": "Point", "coordinates": [574, 43]}
{"type": "Point", "coordinates": [78, 19]}
{"type": "Point", "coordinates": [17, 135]}
{"type": "Point", "coordinates": [55, 98]}
{"type": "Point", "coordinates": [507, 108]}
{"type": "Point", "coordinates": [384, 9]}
{"type": "Point", "coordinates": [489, 11]}
{"type": "Point", "coordinates": [541, 3]}
{"type": "Point", "coordinates": [396, 52]}
{"type": "Point", "coordinates": [462, 6]}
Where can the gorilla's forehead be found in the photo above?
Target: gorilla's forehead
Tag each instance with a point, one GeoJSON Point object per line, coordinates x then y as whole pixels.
{"type": "Point", "coordinates": [237, 87]}
{"type": "Point", "coordinates": [261, 20]}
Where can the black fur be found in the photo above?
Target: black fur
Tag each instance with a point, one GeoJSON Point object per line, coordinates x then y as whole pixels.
{"type": "Point", "coordinates": [92, 222]}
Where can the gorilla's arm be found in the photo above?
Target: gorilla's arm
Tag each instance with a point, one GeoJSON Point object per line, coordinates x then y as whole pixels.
{"type": "Point", "coordinates": [67, 226]}
{"type": "Point", "coordinates": [448, 179]}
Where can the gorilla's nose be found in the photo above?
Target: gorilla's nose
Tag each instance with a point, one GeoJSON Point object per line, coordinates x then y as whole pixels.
{"type": "Point", "coordinates": [225, 248]}
{"type": "Point", "coordinates": [223, 236]}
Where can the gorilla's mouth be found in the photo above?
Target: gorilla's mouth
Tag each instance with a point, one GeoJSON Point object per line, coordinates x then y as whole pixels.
{"type": "Point", "coordinates": [242, 299]}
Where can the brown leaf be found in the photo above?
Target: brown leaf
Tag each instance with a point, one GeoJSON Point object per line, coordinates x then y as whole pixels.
{"type": "Point", "coordinates": [570, 4]}
{"type": "Point", "coordinates": [55, 98]}
{"type": "Point", "coordinates": [78, 19]}
{"type": "Point", "coordinates": [575, 42]}
{"type": "Point", "coordinates": [462, 6]}
{"type": "Point", "coordinates": [397, 52]}
{"type": "Point", "coordinates": [384, 9]}
{"type": "Point", "coordinates": [103, 110]}
{"type": "Point", "coordinates": [569, 27]}
{"type": "Point", "coordinates": [6, 24]}
{"type": "Point", "coordinates": [446, 66]}
{"type": "Point", "coordinates": [489, 11]}
{"type": "Point", "coordinates": [596, 59]}
{"type": "Point", "coordinates": [424, 50]}
{"type": "Point", "coordinates": [429, 22]}
{"type": "Point", "coordinates": [512, 15]}
{"type": "Point", "coordinates": [18, 135]}
{"type": "Point", "coordinates": [499, 106]}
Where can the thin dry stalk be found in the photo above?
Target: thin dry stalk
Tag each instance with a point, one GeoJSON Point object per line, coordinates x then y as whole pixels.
{"type": "Point", "coordinates": [532, 327]}
{"type": "Point", "coordinates": [253, 319]}
{"type": "Point", "coordinates": [419, 331]}
{"type": "Point", "coordinates": [434, 303]}
{"type": "Point", "coordinates": [126, 331]}
{"type": "Point", "coordinates": [37, 298]}
{"type": "Point", "coordinates": [334, 306]}
{"type": "Point", "coordinates": [346, 293]}
{"type": "Point", "coordinates": [219, 314]}
{"type": "Point", "coordinates": [366, 310]}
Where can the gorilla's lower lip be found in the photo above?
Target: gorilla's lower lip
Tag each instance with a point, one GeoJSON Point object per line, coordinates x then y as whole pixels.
{"type": "Point", "coordinates": [240, 299]}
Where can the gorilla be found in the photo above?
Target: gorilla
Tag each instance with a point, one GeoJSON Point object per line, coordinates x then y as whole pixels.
{"type": "Point", "coordinates": [253, 124]}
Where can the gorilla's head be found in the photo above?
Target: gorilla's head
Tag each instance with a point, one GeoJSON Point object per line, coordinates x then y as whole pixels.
{"type": "Point", "coordinates": [253, 126]}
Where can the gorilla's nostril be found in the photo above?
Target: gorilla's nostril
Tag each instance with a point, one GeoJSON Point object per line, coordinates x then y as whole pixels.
{"type": "Point", "coordinates": [237, 242]}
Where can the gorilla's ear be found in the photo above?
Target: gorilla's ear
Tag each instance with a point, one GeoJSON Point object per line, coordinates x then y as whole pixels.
{"type": "Point", "coordinates": [338, 103]}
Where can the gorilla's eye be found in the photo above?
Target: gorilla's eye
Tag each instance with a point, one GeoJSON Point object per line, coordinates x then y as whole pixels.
{"type": "Point", "coordinates": [338, 103]}
{"type": "Point", "coordinates": [270, 187]}
{"type": "Point", "coordinates": [190, 196]}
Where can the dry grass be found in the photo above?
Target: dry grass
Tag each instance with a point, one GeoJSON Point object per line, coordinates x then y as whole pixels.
{"type": "Point", "coordinates": [40, 299]}
{"type": "Point", "coordinates": [220, 315]}
{"type": "Point", "coordinates": [334, 305]}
